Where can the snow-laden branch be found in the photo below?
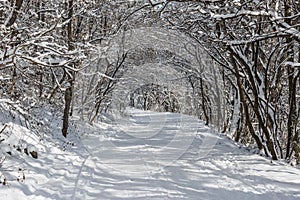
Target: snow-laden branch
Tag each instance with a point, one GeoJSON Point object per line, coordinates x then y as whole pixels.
{"type": "Point", "coordinates": [256, 38]}
{"type": "Point", "coordinates": [290, 30]}
{"type": "Point", "coordinates": [63, 63]}
{"type": "Point", "coordinates": [47, 45]}
{"type": "Point", "coordinates": [106, 76]}
{"type": "Point", "coordinates": [241, 13]}
{"type": "Point", "coordinates": [292, 64]}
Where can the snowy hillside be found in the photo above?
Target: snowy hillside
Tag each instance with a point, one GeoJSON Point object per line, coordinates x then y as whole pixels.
{"type": "Point", "coordinates": [146, 155]}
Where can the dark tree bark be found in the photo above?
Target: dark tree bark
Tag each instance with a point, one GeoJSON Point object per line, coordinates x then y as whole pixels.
{"type": "Point", "coordinates": [292, 85]}
{"type": "Point", "coordinates": [256, 104]}
{"type": "Point", "coordinates": [68, 99]}
{"type": "Point", "coordinates": [204, 102]}
{"type": "Point", "coordinates": [245, 106]}
{"type": "Point", "coordinates": [70, 75]}
{"type": "Point", "coordinates": [15, 12]}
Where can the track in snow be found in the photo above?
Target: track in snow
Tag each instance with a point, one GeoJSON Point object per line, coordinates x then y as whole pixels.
{"type": "Point", "coordinates": [149, 155]}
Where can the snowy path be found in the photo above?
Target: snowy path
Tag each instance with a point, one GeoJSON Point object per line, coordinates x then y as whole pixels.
{"type": "Point", "coordinates": [163, 156]}
{"type": "Point", "coordinates": [150, 155]}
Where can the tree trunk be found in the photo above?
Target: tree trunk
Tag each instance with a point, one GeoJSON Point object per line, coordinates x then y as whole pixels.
{"type": "Point", "coordinates": [204, 103]}
{"type": "Point", "coordinates": [14, 14]}
{"type": "Point", "coordinates": [256, 105]}
{"type": "Point", "coordinates": [68, 100]}
{"type": "Point", "coordinates": [292, 84]}
{"type": "Point", "coordinates": [70, 75]}
{"type": "Point", "coordinates": [245, 106]}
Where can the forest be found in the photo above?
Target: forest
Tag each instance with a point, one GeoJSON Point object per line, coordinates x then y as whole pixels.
{"type": "Point", "coordinates": [234, 64]}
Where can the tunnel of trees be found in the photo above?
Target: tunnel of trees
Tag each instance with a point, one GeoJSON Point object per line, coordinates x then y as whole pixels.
{"type": "Point", "coordinates": [246, 53]}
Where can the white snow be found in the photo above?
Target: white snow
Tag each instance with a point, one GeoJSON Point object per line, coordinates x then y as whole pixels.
{"type": "Point", "coordinates": [292, 64]}
{"type": "Point", "coordinates": [148, 155]}
{"type": "Point", "coordinates": [240, 13]}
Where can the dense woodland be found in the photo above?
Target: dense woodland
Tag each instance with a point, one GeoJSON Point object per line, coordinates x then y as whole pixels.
{"type": "Point", "coordinates": [241, 75]}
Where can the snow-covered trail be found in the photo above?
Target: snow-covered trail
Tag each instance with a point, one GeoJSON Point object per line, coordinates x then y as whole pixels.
{"type": "Point", "coordinates": [148, 155]}
{"type": "Point", "coordinates": [170, 156]}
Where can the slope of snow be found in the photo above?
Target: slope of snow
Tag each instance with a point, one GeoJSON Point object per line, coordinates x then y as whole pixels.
{"type": "Point", "coordinates": [148, 155]}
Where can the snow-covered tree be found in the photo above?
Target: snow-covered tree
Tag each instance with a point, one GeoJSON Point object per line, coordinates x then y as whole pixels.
{"type": "Point", "coordinates": [256, 42]}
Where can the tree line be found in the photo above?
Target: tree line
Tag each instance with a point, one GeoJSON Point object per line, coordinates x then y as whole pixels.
{"type": "Point", "coordinates": [256, 44]}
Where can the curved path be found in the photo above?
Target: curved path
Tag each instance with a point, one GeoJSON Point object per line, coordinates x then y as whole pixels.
{"type": "Point", "coordinates": [148, 155]}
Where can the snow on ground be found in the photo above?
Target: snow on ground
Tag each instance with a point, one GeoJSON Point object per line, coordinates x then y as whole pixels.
{"type": "Point", "coordinates": [148, 155]}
